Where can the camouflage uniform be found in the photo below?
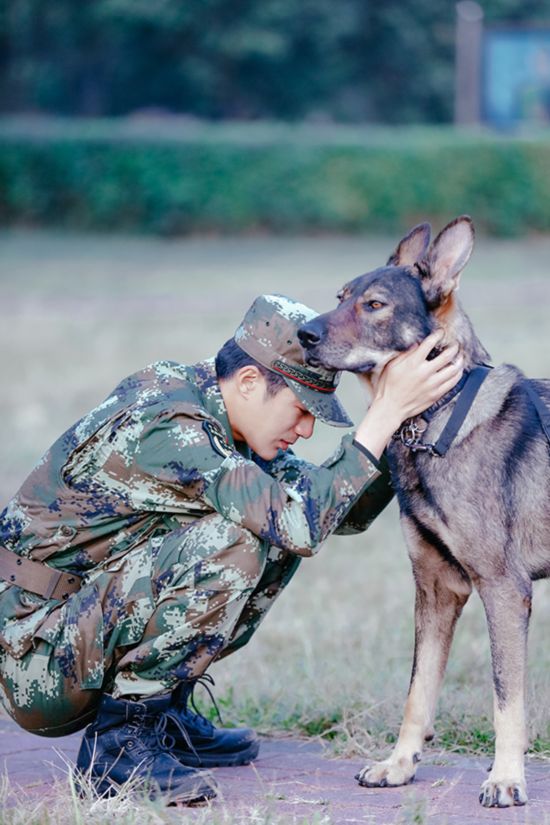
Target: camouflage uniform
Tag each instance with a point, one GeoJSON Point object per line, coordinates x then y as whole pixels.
{"type": "Point", "coordinates": [183, 540]}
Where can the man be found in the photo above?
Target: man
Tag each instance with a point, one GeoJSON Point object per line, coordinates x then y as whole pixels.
{"type": "Point", "coordinates": [155, 534]}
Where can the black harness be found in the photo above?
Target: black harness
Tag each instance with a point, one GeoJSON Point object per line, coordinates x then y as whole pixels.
{"type": "Point", "coordinates": [540, 406]}
{"type": "Point", "coordinates": [411, 432]}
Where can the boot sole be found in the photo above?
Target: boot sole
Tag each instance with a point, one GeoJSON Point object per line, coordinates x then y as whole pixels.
{"type": "Point", "coordinates": [216, 760]}
{"type": "Point", "coordinates": [107, 788]}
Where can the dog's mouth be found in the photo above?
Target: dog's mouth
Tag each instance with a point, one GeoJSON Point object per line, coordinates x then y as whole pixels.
{"type": "Point", "coordinates": [342, 363]}
{"type": "Point", "coordinates": [365, 368]}
{"type": "Point", "coordinates": [312, 360]}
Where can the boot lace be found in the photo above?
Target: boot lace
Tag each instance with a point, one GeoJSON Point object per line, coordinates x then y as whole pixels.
{"type": "Point", "coordinates": [188, 709]}
{"type": "Point", "coordinates": [151, 737]}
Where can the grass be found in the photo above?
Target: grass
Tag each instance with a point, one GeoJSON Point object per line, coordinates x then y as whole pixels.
{"type": "Point", "coordinates": [63, 806]}
{"type": "Point", "coordinates": [333, 658]}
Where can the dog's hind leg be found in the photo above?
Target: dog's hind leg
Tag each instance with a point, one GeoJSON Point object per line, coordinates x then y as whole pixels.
{"type": "Point", "coordinates": [507, 603]}
{"type": "Point", "coordinates": [442, 590]}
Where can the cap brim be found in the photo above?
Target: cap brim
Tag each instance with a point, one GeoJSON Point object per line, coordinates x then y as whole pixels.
{"type": "Point", "coordinates": [324, 406]}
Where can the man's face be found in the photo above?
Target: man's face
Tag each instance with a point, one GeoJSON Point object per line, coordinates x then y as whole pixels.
{"type": "Point", "coordinates": [274, 422]}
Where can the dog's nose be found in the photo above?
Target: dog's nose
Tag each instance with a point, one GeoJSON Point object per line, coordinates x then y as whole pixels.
{"type": "Point", "coordinates": [309, 335]}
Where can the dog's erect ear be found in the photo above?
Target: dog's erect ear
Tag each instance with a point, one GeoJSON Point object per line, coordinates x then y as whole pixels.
{"type": "Point", "coordinates": [412, 248]}
{"type": "Point", "coordinates": [448, 255]}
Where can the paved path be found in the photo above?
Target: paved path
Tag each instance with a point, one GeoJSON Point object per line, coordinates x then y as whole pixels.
{"type": "Point", "coordinates": [294, 777]}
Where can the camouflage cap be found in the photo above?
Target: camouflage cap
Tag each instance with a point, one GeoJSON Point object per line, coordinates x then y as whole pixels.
{"type": "Point", "coordinates": [269, 334]}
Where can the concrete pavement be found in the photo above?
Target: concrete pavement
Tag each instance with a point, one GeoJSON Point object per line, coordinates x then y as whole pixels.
{"type": "Point", "coordinates": [296, 778]}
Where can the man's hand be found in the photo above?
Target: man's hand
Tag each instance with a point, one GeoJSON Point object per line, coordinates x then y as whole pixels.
{"type": "Point", "coordinates": [407, 386]}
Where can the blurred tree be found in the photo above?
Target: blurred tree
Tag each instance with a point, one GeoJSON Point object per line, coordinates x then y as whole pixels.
{"type": "Point", "coordinates": [52, 57]}
{"type": "Point", "coordinates": [516, 11]}
{"type": "Point", "coordinates": [241, 58]}
{"type": "Point", "coordinates": [407, 49]}
{"type": "Point", "coordinates": [388, 61]}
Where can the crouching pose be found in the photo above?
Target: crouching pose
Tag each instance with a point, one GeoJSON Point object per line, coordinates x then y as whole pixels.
{"type": "Point", "coordinates": [154, 535]}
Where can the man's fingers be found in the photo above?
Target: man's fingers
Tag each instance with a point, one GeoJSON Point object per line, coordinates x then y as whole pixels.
{"type": "Point", "coordinates": [446, 387]}
{"type": "Point", "coordinates": [451, 367]}
{"type": "Point", "coordinates": [417, 353]}
{"type": "Point", "coordinates": [447, 377]}
{"type": "Point", "coordinates": [427, 345]}
{"type": "Point", "coordinates": [444, 358]}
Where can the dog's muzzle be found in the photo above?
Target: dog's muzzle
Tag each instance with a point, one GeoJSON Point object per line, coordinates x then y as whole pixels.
{"type": "Point", "coordinates": [311, 334]}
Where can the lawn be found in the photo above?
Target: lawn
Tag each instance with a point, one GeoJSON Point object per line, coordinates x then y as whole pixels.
{"type": "Point", "coordinates": [79, 312]}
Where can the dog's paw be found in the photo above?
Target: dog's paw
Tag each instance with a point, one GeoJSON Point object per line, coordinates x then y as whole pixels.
{"type": "Point", "coordinates": [387, 774]}
{"type": "Point", "coordinates": [503, 793]}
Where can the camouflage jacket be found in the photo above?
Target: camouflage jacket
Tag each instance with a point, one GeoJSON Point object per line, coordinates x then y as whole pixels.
{"type": "Point", "coordinates": [157, 452]}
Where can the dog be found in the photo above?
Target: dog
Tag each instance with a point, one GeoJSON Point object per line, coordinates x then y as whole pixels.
{"type": "Point", "coordinates": [477, 515]}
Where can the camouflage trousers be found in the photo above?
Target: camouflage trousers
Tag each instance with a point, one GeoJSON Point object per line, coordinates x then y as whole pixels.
{"type": "Point", "coordinates": [144, 622]}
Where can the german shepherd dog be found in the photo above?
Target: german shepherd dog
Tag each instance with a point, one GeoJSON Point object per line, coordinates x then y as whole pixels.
{"type": "Point", "coordinates": [479, 516]}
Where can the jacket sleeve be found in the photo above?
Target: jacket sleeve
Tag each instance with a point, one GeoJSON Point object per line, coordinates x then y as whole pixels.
{"type": "Point", "coordinates": [374, 498]}
{"type": "Point", "coordinates": [191, 457]}
{"type": "Point", "coordinates": [378, 492]}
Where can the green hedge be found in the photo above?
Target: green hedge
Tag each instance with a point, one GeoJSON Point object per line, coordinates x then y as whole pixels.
{"type": "Point", "coordinates": [178, 177]}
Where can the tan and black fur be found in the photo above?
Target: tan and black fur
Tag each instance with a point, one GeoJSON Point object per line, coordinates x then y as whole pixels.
{"type": "Point", "coordinates": [477, 517]}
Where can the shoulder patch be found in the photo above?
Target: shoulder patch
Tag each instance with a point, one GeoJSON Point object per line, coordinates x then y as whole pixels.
{"type": "Point", "coordinates": [217, 438]}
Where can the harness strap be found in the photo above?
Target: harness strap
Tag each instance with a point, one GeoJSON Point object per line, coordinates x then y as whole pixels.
{"type": "Point", "coordinates": [540, 406]}
{"type": "Point", "coordinates": [428, 414]}
{"type": "Point", "coordinates": [475, 379]}
{"type": "Point", "coordinates": [36, 576]}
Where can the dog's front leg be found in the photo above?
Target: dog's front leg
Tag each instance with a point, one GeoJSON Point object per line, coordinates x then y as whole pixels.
{"type": "Point", "coordinates": [507, 605]}
{"type": "Point", "coordinates": [441, 592]}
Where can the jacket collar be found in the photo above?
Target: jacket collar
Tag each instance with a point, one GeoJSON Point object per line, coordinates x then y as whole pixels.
{"type": "Point", "coordinates": [212, 401]}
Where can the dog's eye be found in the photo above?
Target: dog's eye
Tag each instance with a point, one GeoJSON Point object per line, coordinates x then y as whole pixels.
{"type": "Point", "coordinates": [373, 305]}
{"type": "Point", "coordinates": [340, 295]}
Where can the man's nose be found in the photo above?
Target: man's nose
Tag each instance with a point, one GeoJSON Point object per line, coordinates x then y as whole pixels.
{"type": "Point", "coordinates": [305, 426]}
{"type": "Point", "coordinates": [310, 334]}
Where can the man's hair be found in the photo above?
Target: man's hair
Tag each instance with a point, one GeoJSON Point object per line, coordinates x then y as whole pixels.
{"type": "Point", "coordinates": [231, 358]}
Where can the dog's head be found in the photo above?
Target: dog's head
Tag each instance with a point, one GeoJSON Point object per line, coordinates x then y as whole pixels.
{"type": "Point", "coordinates": [386, 311]}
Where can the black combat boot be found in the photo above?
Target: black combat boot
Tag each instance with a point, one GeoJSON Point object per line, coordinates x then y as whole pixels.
{"type": "Point", "coordinates": [129, 741]}
{"type": "Point", "coordinates": [197, 743]}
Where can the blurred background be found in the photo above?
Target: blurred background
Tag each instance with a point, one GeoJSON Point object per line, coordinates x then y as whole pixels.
{"type": "Point", "coordinates": [163, 162]}
{"type": "Point", "coordinates": [225, 116]}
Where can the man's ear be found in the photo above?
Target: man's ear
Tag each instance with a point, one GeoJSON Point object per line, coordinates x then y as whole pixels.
{"type": "Point", "coordinates": [247, 379]}
{"type": "Point", "coordinates": [448, 255]}
{"type": "Point", "coordinates": [412, 248]}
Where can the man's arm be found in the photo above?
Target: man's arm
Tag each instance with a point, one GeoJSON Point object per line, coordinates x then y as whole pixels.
{"type": "Point", "coordinates": [180, 457]}
{"type": "Point", "coordinates": [288, 468]}
{"type": "Point", "coordinates": [369, 504]}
